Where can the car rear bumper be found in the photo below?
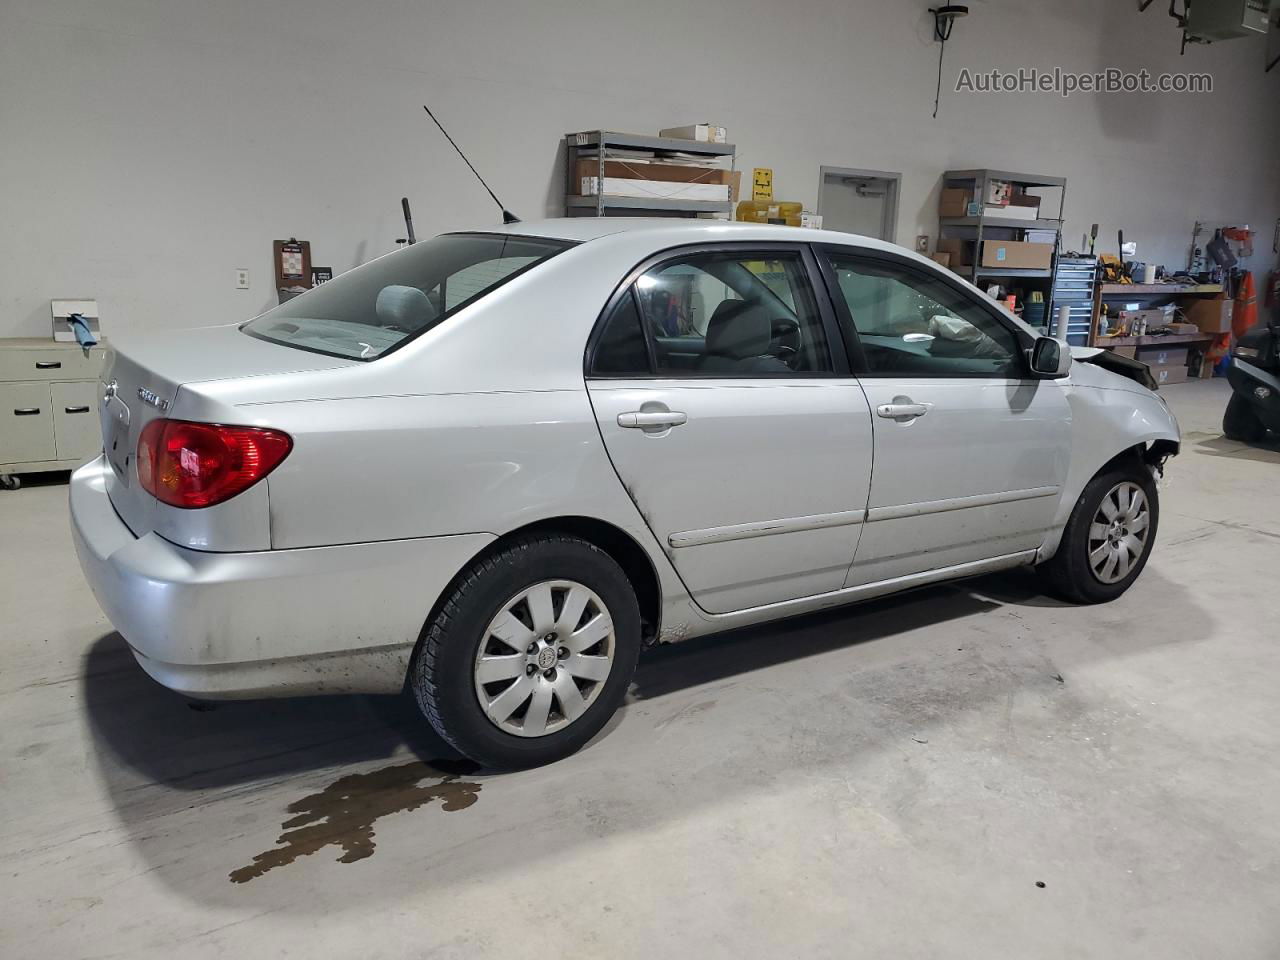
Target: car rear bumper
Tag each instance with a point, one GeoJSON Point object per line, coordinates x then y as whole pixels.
{"type": "Point", "coordinates": [338, 619]}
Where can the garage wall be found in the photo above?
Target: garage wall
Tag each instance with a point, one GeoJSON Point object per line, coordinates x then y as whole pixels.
{"type": "Point", "coordinates": [150, 147]}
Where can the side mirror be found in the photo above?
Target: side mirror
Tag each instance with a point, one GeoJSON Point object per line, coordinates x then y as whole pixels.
{"type": "Point", "coordinates": [1050, 358]}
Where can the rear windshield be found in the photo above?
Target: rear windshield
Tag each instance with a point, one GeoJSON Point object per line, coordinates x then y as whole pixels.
{"type": "Point", "coordinates": [376, 307]}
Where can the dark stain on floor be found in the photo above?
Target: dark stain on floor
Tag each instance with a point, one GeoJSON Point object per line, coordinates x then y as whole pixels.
{"type": "Point", "coordinates": [343, 813]}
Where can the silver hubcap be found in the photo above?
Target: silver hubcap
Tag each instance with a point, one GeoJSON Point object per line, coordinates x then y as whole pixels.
{"type": "Point", "coordinates": [544, 658]}
{"type": "Point", "coordinates": [1118, 532]}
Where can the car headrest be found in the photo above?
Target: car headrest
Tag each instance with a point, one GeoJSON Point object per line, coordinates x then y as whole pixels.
{"type": "Point", "coordinates": [739, 329]}
{"type": "Point", "coordinates": [405, 307]}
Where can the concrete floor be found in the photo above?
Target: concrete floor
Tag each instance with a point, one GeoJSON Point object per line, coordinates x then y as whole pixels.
{"type": "Point", "coordinates": [895, 780]}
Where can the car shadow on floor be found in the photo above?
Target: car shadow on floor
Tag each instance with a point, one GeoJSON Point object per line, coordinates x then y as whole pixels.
{"type": "Point", "coordinates": [161, 737]}
{"type": "Point", "coordinates": [327, 770]}
{"type": "Point", "coordinates": [1264, 452]}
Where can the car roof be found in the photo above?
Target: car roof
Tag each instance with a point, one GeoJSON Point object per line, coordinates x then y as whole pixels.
{"type": "Point", "coordinates": [583, 229]}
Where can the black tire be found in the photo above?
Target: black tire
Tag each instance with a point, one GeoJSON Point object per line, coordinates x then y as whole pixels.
{"type": "Point", "coordinates": [1068, 574]}
{"type": "Point", "coordinates": [1240, 422]}
{"type": "Point", "coordinates": [442, 673]}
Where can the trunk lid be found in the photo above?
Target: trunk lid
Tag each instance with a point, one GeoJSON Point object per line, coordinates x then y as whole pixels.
{"type": "Point", "coordinates": [141, 381]}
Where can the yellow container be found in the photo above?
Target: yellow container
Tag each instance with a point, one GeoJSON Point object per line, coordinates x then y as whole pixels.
{"type": "Point", "coordinates": [769, 211]}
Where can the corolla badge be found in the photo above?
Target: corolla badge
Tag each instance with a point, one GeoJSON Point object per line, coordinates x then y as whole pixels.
{"type": "Point", "coordinates": [147, 396]}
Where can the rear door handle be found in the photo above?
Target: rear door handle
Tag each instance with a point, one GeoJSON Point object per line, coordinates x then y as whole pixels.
{"type": "Point", "coordinates": [642, 419]}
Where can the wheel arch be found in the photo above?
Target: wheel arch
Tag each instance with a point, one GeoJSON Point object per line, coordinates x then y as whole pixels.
{"type": "Point", "coordinates": [612, 539]}
{"type": "Point", "coordinates": [1150, 452]}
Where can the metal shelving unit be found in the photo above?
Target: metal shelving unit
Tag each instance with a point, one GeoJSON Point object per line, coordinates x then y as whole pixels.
{"type": "Point", "coordinates": [973, 228]}
{"type": "Point", "coordinates": [604, 145]}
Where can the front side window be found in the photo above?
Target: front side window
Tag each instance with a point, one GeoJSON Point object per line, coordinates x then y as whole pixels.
{"type": "Point", "coordinates": [717, 315]}
{"type": "Point", "coordinates": [910, 324]}
{"type": "Point", "coordinates": [368, 311]}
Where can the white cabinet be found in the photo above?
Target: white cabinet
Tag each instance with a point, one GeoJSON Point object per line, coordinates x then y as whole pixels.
{"type": "Point", "coordinates": [48, 405]}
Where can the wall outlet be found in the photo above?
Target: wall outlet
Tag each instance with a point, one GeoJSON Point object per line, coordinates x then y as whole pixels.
{"type": "Point", "coordinates": [922, 244]}
{"type": "Point", "coordinates": [242, 278]}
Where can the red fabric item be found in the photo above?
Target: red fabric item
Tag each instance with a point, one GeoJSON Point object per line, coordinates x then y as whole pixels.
{"type": "Point", "coordinates": [1246, 309]}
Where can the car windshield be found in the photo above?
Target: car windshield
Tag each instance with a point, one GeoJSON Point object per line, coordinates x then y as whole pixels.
{"type": "Point", "coordinates": [376, 307]}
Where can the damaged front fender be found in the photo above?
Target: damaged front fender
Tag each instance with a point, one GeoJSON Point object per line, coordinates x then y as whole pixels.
{"type": "Point", "coordinates": [1135, 370]}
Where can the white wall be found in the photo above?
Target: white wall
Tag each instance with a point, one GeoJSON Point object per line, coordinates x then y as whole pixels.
{"type": "Point", "coordinates": [149, 147]}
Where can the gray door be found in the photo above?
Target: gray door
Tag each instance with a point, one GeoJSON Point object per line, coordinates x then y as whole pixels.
{"type": "Point", "coordinates": [713, 383]}
{"type": "Point", "coordinates": [861, 202]}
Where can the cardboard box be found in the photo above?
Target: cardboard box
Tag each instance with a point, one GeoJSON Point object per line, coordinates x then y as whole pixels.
{"type": "Point", "coordinates": [1167, 374]}
{"type": "Point", "coordinates": [1017, 254]}
{"type": "Point", "coordinates": [655, 189]}
{"type": "Point", "coordinates": [785, 212]}
{"type": "Point", "coordinates": [1184, 328]}
{"type": "Point", "coordinates": [954, 202]}
{"type": "Point", "coordinates": [1030, 205]}
{"type": "Point", "coordinates": [706, 132]}
{"type": "Point", "coordinates": [811, 220]}
{"type": "Point", "coordinates": [941, 258]}
{"type": "Point", "coordinates": [960, 252]}
{"type": "Point", "coordinates": [1163, 356]}
{"type": "Point", "coordinates": [670, 172]}
{"type": "Point", "coordinates": [1210, 315]}
{"type": "Point", "coordinates": [1126, 351]}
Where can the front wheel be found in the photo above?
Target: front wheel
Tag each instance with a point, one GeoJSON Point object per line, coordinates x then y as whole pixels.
{"type": "Point", "coordinates": [1108, 537]}
{"type": "Point", "coordinates": [530, 654]}
{"type": "Point", "coordinates": [1240, 422]}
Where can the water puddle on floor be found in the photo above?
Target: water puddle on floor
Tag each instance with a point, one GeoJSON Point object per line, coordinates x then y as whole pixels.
{"type": "Point", "coordinates": [343, 813]}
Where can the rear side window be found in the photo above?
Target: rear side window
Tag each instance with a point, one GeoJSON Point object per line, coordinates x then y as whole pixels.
{"type": "Point", "coordinates": [725, 314]}
{"type": "Point", "coordinates": [622, 350]}
{"type": "Point", "coordinates": [374, 308]}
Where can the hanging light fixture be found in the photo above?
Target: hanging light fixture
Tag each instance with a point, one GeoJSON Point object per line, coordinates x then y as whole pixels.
{"type": "Point", "coordinates": [944, 19]}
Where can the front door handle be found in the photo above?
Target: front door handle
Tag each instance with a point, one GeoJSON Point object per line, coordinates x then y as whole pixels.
{"type": "Point", "coordinates": [902, 409]}
{"type": "Point", "coordinates": [651, 419]}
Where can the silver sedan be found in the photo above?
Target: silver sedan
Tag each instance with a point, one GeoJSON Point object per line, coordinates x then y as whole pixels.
{"type": "Point", "coordinates": [493, 466]}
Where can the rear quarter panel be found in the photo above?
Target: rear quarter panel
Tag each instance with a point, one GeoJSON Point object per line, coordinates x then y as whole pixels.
{"type": "Point", "coordinates": [482, 425]}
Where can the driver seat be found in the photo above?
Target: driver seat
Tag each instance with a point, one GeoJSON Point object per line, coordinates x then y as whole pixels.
{"type": "Point", "coordinates": [739, 335]}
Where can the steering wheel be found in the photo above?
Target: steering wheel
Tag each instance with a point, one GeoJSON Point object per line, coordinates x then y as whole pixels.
{"type": "Point", "coordinates": [788, 340]}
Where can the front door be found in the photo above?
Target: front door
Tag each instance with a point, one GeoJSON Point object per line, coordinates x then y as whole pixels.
{"type": "Point", "coordinates": [714, 381]}
{"type": "Point", "coordinates": [970, 452]}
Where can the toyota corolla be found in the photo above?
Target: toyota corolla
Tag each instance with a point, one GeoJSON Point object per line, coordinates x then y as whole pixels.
{"type": "Point", "coordinates": [493, 466]}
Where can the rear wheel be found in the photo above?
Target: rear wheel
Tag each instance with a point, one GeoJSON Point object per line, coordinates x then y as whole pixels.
{"type": "Point", "coordinates": [1108, 537]}
{"type": "Point", "coordinates": [530, 654]}
{"type": "Point", "coordinates": [1240, 422]}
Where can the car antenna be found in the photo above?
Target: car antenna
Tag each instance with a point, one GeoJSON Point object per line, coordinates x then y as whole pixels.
{"type": "Point", "coordinates": [410, 239]}
{"type": "Point", "coordinates": [507, 215]}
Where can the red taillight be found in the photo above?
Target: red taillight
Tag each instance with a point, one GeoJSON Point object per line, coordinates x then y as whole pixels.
{"type": "Point", "coordinates": [188, 464]}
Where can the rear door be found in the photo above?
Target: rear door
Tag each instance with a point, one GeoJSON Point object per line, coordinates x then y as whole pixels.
{"type": "Point", "coordinates": [970, 451]}
{"type": "Point", "coordinates": [724, 400]}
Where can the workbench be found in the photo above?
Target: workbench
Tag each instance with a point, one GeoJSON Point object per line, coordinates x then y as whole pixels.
{"type": "Point", "coordinates": [1147, 295]}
